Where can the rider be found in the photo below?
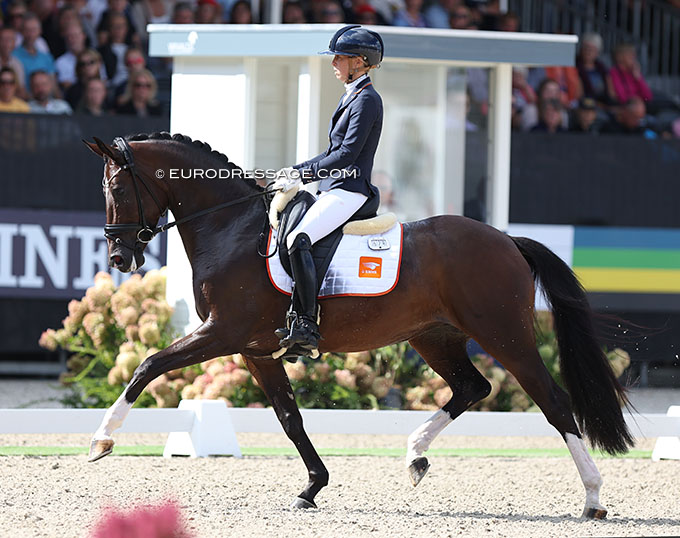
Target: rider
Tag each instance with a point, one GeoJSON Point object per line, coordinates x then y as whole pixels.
{"type": "Point", "coordinates": [343, 172]}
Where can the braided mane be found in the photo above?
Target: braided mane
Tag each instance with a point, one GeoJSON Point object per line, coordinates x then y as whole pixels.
{"type": "Point", "coordinates": [187, 141]}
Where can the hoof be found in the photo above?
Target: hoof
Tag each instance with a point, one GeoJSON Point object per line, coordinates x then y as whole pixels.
{"type": "Point", "coordinates": [595, 513]}
{"type": "Point", "coordinates": [301, 503]}
{"type": "Point", "coordinates": [100, 448]}
{"type": "Point", "coordinates": [417, 470]}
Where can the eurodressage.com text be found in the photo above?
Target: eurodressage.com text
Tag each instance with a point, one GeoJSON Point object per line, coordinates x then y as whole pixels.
{"type": "Point", "coordinates": [268, 174]}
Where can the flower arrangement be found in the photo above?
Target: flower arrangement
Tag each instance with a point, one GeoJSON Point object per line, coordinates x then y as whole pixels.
{"type": "Point", "coordinates": [111, 331]}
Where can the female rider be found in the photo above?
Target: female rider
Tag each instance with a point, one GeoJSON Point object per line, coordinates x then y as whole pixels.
{"type": "Point", "coordinates": [343, 172]}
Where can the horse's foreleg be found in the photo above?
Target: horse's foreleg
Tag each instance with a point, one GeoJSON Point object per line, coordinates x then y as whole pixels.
{"type": "Point", "coordinates": [199, 346]}
{"type": "Point", "coordinates": [272, 378]}
{"type": "Point", "coordinates": [443, 348]}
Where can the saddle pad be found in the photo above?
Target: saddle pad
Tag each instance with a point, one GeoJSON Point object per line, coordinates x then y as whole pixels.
{"type": "Point", "coordinates": [356, 269]}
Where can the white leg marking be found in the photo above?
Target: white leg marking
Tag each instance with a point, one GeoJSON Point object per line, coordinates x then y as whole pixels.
{"type": "Point", "coordinates": [113, 419]}
{"type": "Point", "coordinates": [419, 441]}
{"type": "Point", "coordinates": [590, 476]}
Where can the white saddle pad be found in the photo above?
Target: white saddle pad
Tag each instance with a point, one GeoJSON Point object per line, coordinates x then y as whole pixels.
{"type": "Point", "coordinates": [365, 265]}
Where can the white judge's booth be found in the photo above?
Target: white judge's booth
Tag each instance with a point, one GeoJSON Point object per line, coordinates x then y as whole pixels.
{"type": "Point", "coordinates": [263, 96]}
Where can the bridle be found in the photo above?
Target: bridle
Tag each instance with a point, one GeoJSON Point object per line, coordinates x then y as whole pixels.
{"type": "Point", "coordinates": [144, 232]}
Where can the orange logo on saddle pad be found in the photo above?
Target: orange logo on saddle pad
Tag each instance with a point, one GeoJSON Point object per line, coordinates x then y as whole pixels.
{"type": "Point", "coordinates": [369, 267]}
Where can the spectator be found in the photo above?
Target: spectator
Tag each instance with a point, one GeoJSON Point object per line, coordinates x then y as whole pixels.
{"type": "Point", "coordinates": [522, 93]}
{"type": "Point", "coordinates": [60, 22]}
{"type": "Point", "coordinates": [89, 13]}
{"type": "Point", "coordinates": [207, 12]}
{"type": "Point", "coordinates": [93, 102]}
{"type": "Point", "coordinates": [9, 85]}
{"type": "Point", "coordinates": [626, 77]}
{"type": "Point", "coordinates": [439, 13]}
{"type": "Point", "coordinates": [461, 18]}
{"type": "Point", "coordinates": [145, 12]}
{"type": "Point", "coordinates": [116, 9]}
{"type": "Point", "coordinates": [183, 13]}
{"type": "Point", "coordinates": [332, 13]}
{"type": "Point", "coordinates": [411, 15]}
{"type": "Point", "coordinates": [42, 90]}
{"type": "Point", "coordinates": [571, 89]}
{"type": "Point", "coordinates": [48, 16]}
{"type": "Point", "coordinates": [15, 18]}
{"type": "Point", "coordinates": [593, 73]}
{"type": "Point", "coordinates": [584, 117]}
{"type": "Point", "coordinates": [89, 66]}
{"type": "Point", "coordinates": [366, 14]}
{"type": "Point", "coordinates": [113, 53]}
{"type": "Point", "coordinates": [630, 120]}
{"type": "Point", "coordinates": [28, 54]}
{"type": "Point", "coordinates": [134, 63]}
{"type": "Point", "coordinates": [549, 117]}
{"type": "Point", "coordinates": [293, 13]}
{"type": "Point", "coordinates": [139, 98]}
{"type": "Point", "coordinates": [240, 13]}
{"type": "Point", "coordinates": [66, 63]}
{"type": "Point", "coordinates": [507, 22]}
{"type": "Point", "coordinates": [7, 58]}
{"type": "Point", "coordinates": [548, 90]}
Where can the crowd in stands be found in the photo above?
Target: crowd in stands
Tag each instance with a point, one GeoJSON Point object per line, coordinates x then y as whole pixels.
{"type": "Point", "coordinates": [89, 57]}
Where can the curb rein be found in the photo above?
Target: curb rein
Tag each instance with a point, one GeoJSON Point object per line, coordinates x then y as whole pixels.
{"type": "Point", "coordinates": [145, 233]}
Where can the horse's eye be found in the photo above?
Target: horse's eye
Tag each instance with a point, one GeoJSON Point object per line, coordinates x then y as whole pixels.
{"type": "Point", "coordinates": [117, 191]}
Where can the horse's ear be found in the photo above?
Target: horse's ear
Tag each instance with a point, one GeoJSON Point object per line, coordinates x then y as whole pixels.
{"type": "Point", "coordinates": [103, 149]}
{"type": "Point", "coordinates": [93, 148]}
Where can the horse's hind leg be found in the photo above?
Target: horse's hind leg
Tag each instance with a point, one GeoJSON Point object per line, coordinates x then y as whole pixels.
{"type": "Point", "coordinates": [199, 346]}
{"type": "Point", "coordinates": [443, 348]}
{"type": "Point", "coordinates": [272, 378]}
{"type": "Point", "coordinates": [520, 357]}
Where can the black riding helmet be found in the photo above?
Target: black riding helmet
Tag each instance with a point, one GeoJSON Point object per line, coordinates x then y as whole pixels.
{"type": "Point", "coordinates": [354, 40]}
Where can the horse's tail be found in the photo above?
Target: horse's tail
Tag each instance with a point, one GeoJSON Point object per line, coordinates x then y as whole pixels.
{"type": "Point", "coordinates": [596, 394]}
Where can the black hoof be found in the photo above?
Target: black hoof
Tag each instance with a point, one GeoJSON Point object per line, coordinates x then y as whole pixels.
{"type": "Point", "coordinates": [417, 470]}
{"type": "Point", "coordinates": [301, 503]}
{"type": "Point", "coordinates": [595, 513]}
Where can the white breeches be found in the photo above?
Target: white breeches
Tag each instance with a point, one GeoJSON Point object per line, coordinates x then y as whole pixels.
{"type": "Point", "coordinates": [332, 209]}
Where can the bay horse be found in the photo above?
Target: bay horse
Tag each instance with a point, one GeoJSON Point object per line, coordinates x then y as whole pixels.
{"type": "Point", "coordinates": [459, 279]}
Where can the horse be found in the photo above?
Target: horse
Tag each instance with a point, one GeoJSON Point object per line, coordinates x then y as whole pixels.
{"type": "Point", "coordinates": [459, 279]}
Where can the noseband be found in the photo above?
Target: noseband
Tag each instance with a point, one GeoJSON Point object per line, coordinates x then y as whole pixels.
{"type": "Point", "coordinates": [145, 233]}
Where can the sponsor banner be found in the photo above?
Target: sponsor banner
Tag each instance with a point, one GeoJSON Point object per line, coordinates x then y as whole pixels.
{"type": "Point", "coordinates": [55, 254]}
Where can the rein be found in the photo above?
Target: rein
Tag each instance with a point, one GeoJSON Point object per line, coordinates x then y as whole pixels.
{"type": "Point", "coordinates": [144, 232]}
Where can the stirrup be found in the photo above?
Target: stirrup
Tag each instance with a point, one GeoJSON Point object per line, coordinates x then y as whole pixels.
{"type": "Point", "coordinates": [304, 333]}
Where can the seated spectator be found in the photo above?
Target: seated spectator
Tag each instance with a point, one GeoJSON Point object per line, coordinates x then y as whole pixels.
{"type": "Point", "coordinates": [42, 90]}
{"type": "Point", "coordinates": [207, 12]}
{"type": "Point", "coordinates": [63, 20]}
{"type": "Point", "coordinates": [9, 85]}
{"type": "Point", "coordinates": [66, 63]}
{"type": "Point", "coordinates": [626, 77]}
{"type": "Point", "coordinates": [507, 22]}
{"type": "Point", "coordinates": [14, 17]}
{"type": "Point", "coordinates": [89, 66]}
{"type": "Point", "coordinates": [461, 18]}
{"type": "Point", "coordinates": [134, 63]}
{"type": "Point", "coordinates": [113, 53]}
{"type": "Point", "coordinates": [240, 13]}
{"type": "Point", "coordinates": [366, 14]}
{"type": "Point", "coordinates": [7, 58]}
{"type": "Point", "coordinates": [584, 117]}
{"type": "Point", "coordinates": [139, 98]}
{"type": "Point", "coordinates": [593, 73]}
{"type": "Point", "coordinates": [145, 12]}
{"type": "Point", "coordinates": [117, 8]}
{"type": "Point", "coordinates": [410, 15]}
{"type": "Point", "coordinates": [630, 120]}
{"type": "Point", "coordinates": [93, 102]}
{"type": "Point", "coordinates": [548, 90]}
{"type": "Point", "coordinates": [332, 13]}
{"type": "Point", "coordinates": [293, 13]}
{"type": "Point", "coordinates": [48, 15]}
{"type": "Point", "coordinates": [522, 93]}
{"type": "Point", "coordinates": [549, 117]}
{"type": "Point", "coordinates": [28, 54]}
{"type": "Point", "coordinates": [183, 13]}
{"type": "Point", "coordinates": [439, 13]}
{"type": "Point", "coordinates": [567, 79]}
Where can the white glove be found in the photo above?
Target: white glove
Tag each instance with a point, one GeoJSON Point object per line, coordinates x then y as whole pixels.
{"type": "Point", "coordinates": [287, 179]}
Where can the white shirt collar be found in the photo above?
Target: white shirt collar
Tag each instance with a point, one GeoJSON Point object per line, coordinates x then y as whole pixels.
{"type": "Point", "coordinates": [351, 87]}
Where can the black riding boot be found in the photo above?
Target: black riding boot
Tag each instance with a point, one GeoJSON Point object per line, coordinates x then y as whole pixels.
{"type": "Point", "coordinates": [304, 330]}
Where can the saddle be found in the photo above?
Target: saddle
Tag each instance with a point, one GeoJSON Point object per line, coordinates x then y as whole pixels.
{"type": "Point", "coordinates": [324, 249]}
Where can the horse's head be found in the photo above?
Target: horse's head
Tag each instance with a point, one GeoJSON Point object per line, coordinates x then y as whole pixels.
{"type": "Point", "coordinates": [133, 207]}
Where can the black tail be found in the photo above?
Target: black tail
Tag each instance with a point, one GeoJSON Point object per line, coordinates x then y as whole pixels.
{"type": "Point", "coordinates": [596, 394]}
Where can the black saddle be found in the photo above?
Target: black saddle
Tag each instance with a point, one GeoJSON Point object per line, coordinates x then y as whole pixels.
{"type": "Point", "coordinates": [323, 250]}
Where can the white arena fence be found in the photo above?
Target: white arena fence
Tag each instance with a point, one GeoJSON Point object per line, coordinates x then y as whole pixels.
{"type": "Point", "coordinates": [203, 427]}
